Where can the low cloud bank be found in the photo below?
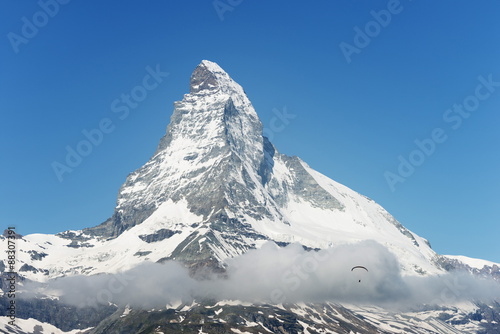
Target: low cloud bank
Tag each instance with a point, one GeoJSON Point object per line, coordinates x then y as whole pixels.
{"type": "Point", "coordinates": [279, 275]}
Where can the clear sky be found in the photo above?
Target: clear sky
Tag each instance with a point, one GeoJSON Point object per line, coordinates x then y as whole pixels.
{"type": "Point", "coordinates": [365, 80]}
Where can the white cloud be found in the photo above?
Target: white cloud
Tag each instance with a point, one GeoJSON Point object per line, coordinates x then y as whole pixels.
{"type": "Point", "coordinates": [273, 275]}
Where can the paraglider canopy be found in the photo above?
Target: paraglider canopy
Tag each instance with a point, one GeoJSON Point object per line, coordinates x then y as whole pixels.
{"type": "Point", "coordinates": [358, 268]}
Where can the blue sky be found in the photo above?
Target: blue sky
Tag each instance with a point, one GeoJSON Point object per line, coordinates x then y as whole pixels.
{"type": "Point", "coordinates": [364, 79]}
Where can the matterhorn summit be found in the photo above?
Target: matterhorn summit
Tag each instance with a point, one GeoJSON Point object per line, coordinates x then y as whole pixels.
{"type": "Point", "coordinates": [216, 187]}
{"type": "Point", "coordinates": [212, 151]}
{"type": "Point", "coordinates": [236, 191]}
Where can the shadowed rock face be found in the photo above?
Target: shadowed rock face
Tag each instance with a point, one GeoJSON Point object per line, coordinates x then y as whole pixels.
{"type": "Point", "coordinates": [203, 79]}
{"type": "Point", "coordinates": [63, 316]}
{"type": "Point", "coordinates": [292, 319]}
{"type": "Point", "coordinates": [449, 264]}
{"type": "Point", "coordinates": [208, 318]}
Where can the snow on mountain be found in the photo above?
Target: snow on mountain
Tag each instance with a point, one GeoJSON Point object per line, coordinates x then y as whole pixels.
{"type": "Point", "coordinates": [472, 262]}
{"type": "Point", "coordinates": [23, 326]}
{"type": "Point", "coordinates": [477, 267]}
{"type": "Point", "coordinates": [214, 188]}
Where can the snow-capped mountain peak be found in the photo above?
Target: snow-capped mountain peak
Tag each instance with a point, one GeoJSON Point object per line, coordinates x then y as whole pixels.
{"type": "Point", "coordinates": [213, 129]}
{"type": "Point", "coordinates": [209, 76]}
{"type": "Point", "coordinates": [215, 187]}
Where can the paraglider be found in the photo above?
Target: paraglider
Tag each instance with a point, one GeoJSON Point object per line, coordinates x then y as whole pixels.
{"type": "Point", "coordinates": [359, 267]}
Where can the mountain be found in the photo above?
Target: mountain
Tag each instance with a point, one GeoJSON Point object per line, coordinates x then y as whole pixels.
{"type": "Point", "coordinates": [214, 189]}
